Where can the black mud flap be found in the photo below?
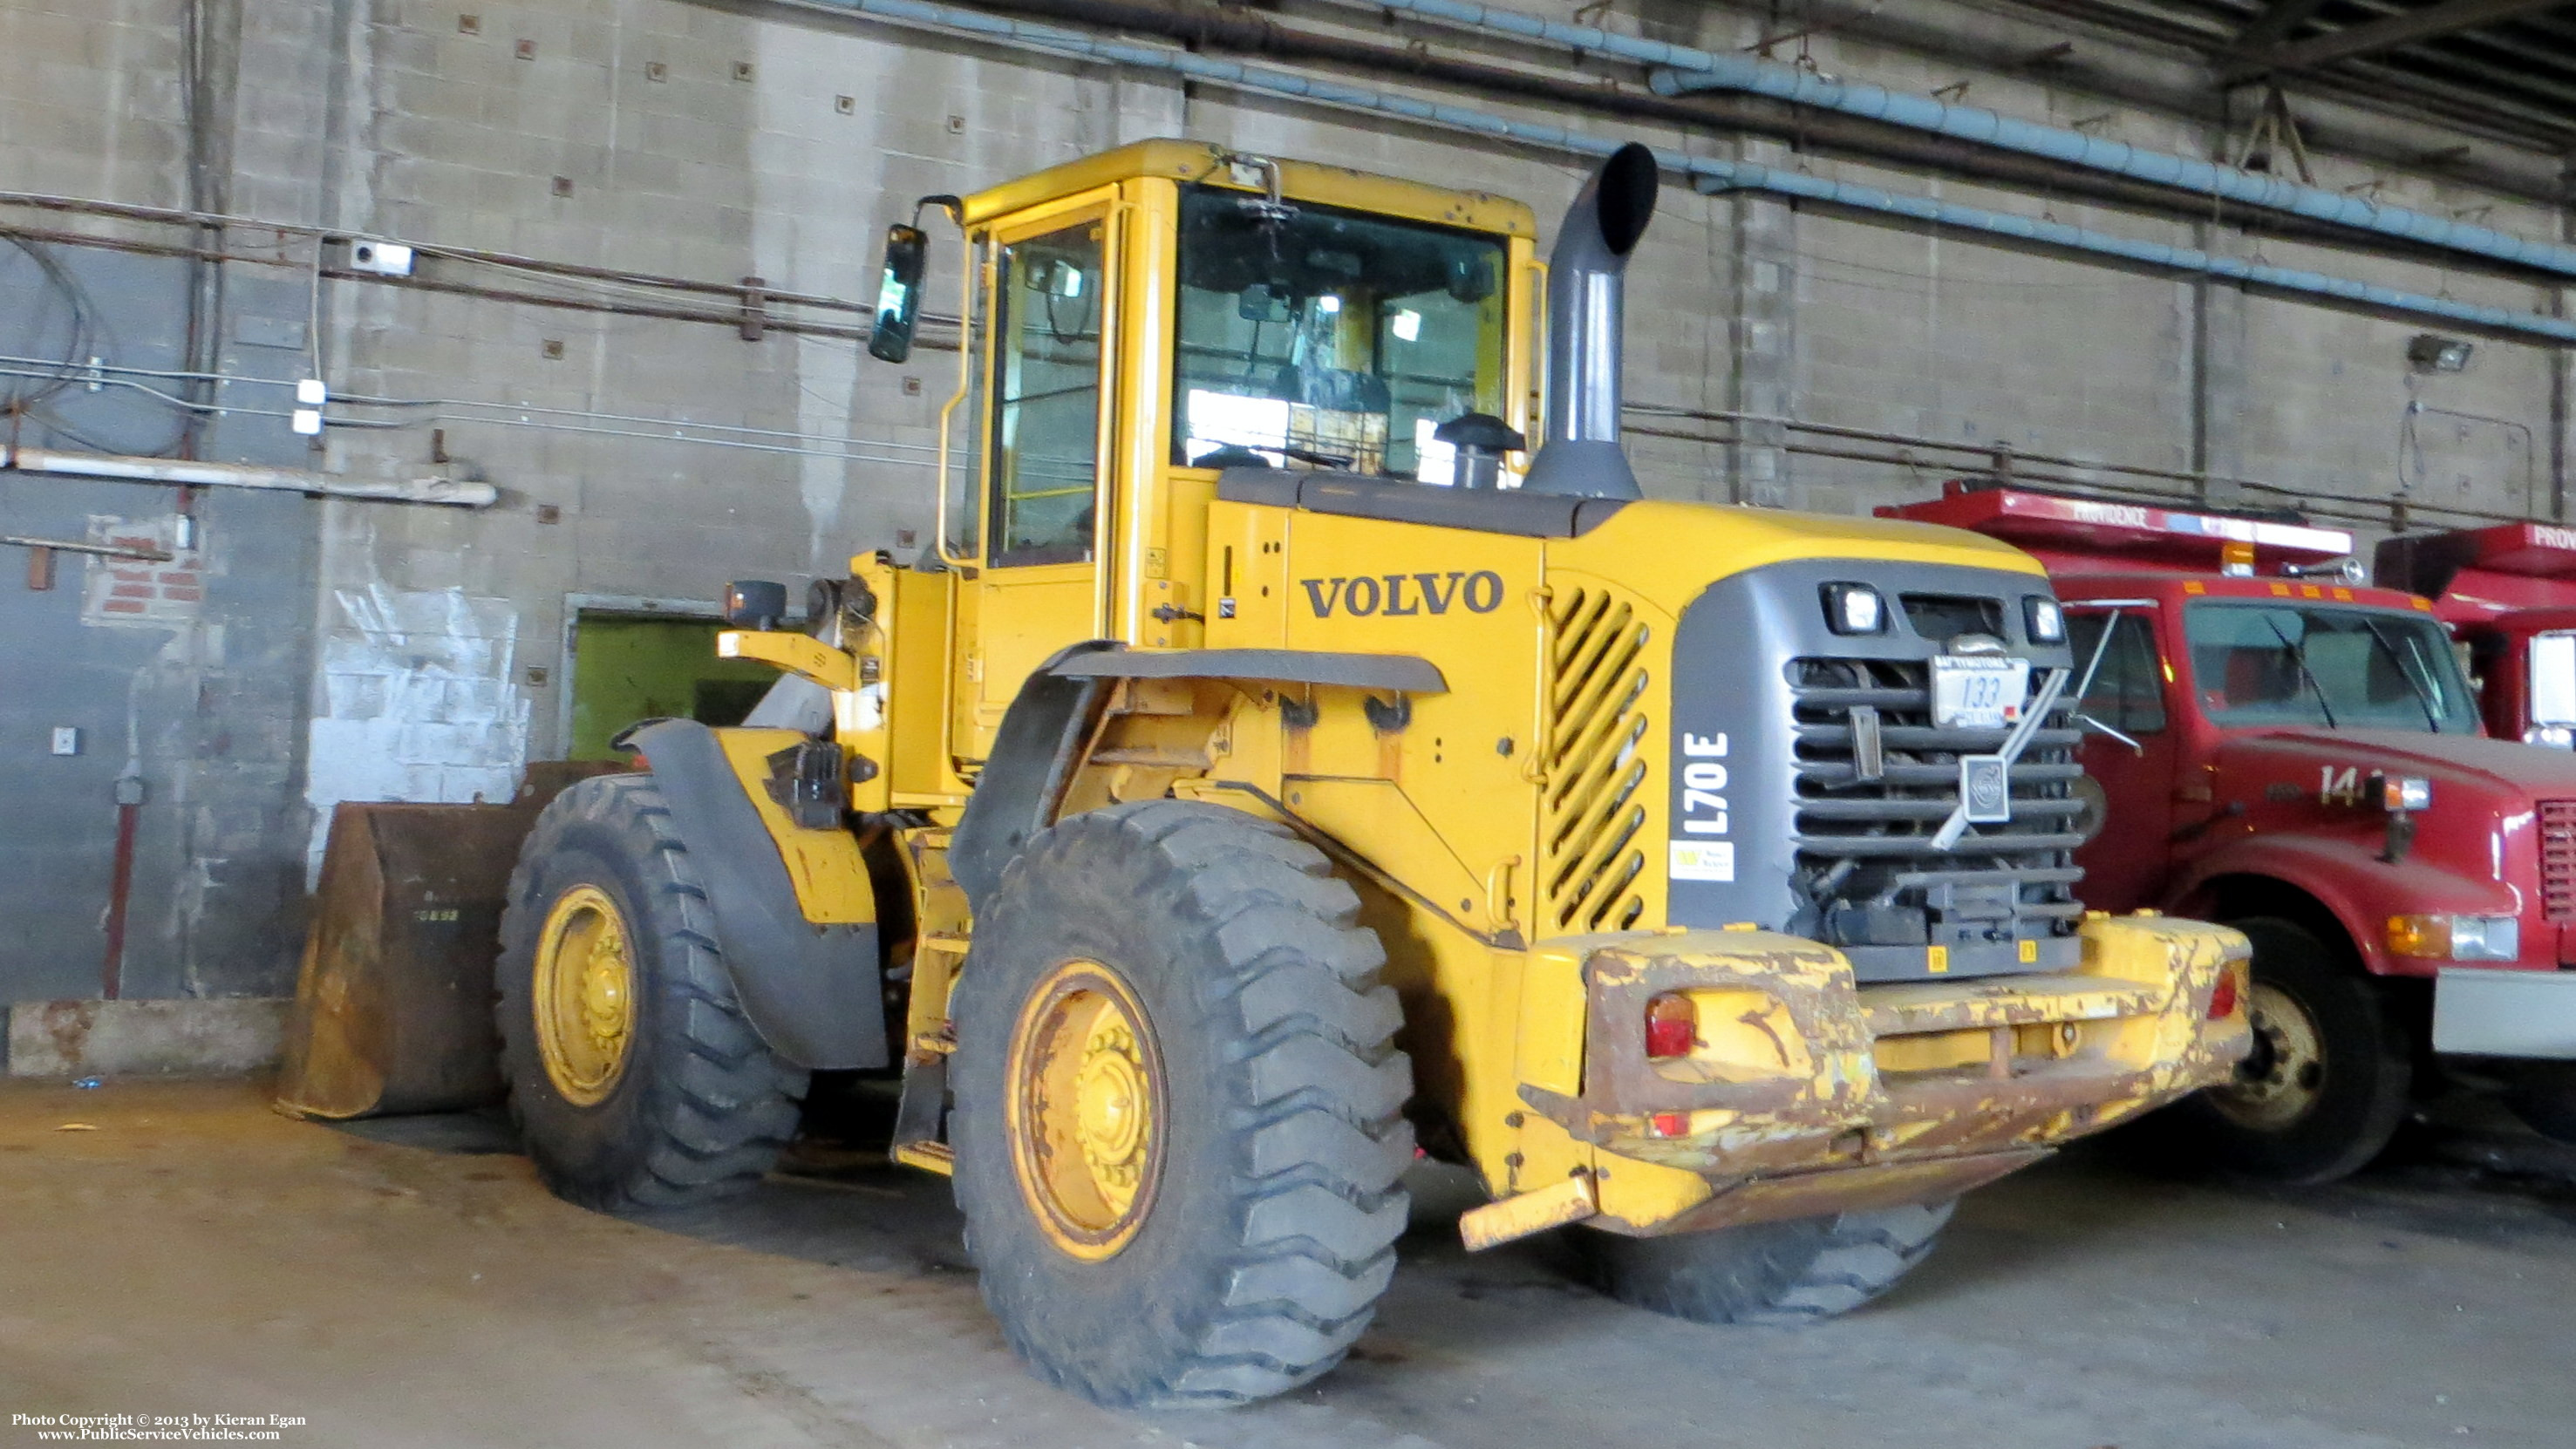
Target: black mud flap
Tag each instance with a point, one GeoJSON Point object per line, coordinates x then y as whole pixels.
{"type": "Point", "coordinates": [815, 993]}
{"type": "Point", "coordinates": [1024, 778]}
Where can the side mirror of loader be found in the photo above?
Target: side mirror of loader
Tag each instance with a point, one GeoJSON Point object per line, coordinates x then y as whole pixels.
{"type": "Point", "coordinates": [754, 604]}
{"type": "Point", "coordinates": [907, 254]}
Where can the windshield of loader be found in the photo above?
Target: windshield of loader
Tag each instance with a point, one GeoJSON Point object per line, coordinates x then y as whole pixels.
{"type": "Point", "coordinates": [1328, 338]}
{"type": "Point", "coordinates": [2272, 664]}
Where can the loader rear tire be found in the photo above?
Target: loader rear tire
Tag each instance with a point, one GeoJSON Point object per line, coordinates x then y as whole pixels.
{"type": "Point", "coordinates": [1785, 1274]}
{"type": "Point", "coordinates": [654, 1092]}
{"type": "Point", "coordinates": [1178, 1108]}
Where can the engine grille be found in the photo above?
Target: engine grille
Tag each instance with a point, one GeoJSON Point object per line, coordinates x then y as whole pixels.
{"type": "Point", "coordinates": [2558, 858]}
{"type": "Point", "coordinates": [1590, 858]}
{"type": "Point", "coordinates": [1864, 845]}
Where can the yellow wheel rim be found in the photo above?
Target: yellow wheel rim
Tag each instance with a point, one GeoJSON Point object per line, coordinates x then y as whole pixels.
{"type": "Point", "coordinates": [2281, 1082]}
{"type": "Point", "coordinates": [584, 995]}
{"type": "Point", "coordinates": [1086, 1109]}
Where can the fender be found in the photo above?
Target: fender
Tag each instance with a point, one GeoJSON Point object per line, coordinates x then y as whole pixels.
{"type": "Point", "coordinates": [2353, 883]}
{"type": "Point", "coordinates": [814, 992]}
{"type": "Point", "coordinates": [1023, 779]}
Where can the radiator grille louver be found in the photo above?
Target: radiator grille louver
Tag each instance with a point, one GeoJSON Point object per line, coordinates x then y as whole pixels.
{"type": "Point", "coordinates": [1863, 837]}
{"type": "Point", "coordinates": [1590, 855]}
{"type": "Point", "coordinates": [2558, 858]}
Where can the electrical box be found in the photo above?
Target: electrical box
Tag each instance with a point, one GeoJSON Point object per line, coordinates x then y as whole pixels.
{"type": "Point", "coordinates": [67, 739]}
{"type": "Point", "coordinates": [388, 259]}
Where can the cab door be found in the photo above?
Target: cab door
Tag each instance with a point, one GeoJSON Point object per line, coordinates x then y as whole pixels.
{"type": "Point", "coordinates": [1048, 486]}
{"type": "Point", "coordinates": [2126, 862]}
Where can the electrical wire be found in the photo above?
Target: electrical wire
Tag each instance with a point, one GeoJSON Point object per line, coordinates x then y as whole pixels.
{"type": "Point", "coordinates": [850, 450]}
{"type": "Point", "coordinates": [87, 337]}
{"type": "Point", "coordinates": [118, 376]}
{"type": "Point", "coordinates": [66, 369]}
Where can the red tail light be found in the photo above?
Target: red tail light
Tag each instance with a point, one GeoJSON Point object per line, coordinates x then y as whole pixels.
{"type": "Point", "coordinates": [2222, 997]}
{"type": "Point", "coordinates": [1672, 1026]}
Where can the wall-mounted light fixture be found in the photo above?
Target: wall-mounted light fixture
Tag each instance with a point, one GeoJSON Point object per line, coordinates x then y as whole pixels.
{"type": "Point", "coordinates": [2432, 352]}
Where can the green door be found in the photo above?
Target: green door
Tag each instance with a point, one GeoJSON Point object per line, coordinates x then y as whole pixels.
{"type": "Point", "coordinates": [628, 668]}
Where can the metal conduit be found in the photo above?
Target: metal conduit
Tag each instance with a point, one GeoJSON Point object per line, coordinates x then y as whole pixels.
{"type": "Point", "coordinates": [1712, 176]}
{"type": "Point", "coordinates": [1686, 69]}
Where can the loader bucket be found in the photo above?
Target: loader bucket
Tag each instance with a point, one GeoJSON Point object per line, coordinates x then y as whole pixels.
{"type": "Point", "coordinates": [393, 1007]}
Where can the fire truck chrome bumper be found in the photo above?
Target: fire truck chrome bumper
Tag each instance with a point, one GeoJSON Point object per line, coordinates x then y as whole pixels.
{"type": "Point", "coordinates": [2489, 1012]}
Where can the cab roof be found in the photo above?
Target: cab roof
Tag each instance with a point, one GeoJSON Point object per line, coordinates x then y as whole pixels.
{"type": "Point", "coordinates": [2478, 574]}
{"type": "Point", "coordinates": [2085, 534]}
{"type": "Point", "coordinates": [2531, 549]}
{"type": "Point", "coordinates": [2164, 584]}
{"type": "Point", "coordinates": [1313, 181]}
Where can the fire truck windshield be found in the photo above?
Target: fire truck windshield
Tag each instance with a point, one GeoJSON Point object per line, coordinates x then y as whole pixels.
{"type": "Point", "coordinates": [2293, 664]}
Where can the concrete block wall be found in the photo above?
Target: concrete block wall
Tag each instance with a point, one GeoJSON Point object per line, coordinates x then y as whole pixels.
{"type": "Point", "coordinates": [403, 652]}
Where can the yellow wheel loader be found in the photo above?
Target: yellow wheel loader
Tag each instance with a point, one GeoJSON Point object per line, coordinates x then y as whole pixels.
{"type": "Point", "coordinates": [1280, 758]}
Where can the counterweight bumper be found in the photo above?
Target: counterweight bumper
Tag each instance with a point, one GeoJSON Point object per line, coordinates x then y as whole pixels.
{"type": "Point", "coordinates": [1802, 1092]}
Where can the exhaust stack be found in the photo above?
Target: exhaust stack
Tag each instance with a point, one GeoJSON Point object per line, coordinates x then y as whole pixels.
{"type": "Point", "coordinates": [1586, 316]}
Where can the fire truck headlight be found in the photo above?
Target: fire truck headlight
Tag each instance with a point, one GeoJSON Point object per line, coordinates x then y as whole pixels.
{"type": "Point", "coordinates": [2046, 621]}
{"type": "Point", "coordinates": [2456, 938]}
{"type": "Point", "coordinates": [2485, 938]}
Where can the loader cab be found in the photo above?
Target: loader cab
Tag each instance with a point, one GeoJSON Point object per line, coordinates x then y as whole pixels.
{"type": "Point", "coordinates": [1137, 322]}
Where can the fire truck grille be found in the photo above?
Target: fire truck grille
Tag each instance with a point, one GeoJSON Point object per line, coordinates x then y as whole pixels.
{"type": "Point", "coordinates": [2558, 858]}
{"type": "Point", "coordinates": [1864, 836]}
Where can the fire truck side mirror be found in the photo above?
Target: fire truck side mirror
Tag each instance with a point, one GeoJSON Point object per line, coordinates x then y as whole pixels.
{"type": "Point", "coordinates": [907, 256]}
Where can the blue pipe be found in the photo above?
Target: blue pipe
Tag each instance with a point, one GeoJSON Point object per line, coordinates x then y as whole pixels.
{"type": "Point", "coordinates": [1686, 69]}
{"type": "Point", "coordinates": [1722, 176]}
{"type": "Point", "coordinates": [1711, 176]}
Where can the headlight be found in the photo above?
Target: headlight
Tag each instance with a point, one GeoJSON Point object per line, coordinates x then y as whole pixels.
{"type": "Point", "coordinates": [2405, 792]}
{"type": "Point", "coordinates": [2556, 737]}
{"type": "Point", "coordinates": [2047, 622]}
{"type": "Point", "coordinates": [1854, 609]}
{"type": "Point", "coordinates": [2456, 938]}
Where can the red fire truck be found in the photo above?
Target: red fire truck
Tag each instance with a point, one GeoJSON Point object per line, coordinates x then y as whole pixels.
{"type": "Point", "coordinates": [2509, 593]}
{"type": "Point", "coordinates": [2283, 748]}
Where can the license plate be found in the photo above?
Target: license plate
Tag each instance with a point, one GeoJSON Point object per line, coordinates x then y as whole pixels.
{"type": "Point", "coordinates": [1978, 691]}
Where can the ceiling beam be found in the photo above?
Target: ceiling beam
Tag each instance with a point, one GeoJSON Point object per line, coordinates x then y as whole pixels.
{"type": "Point", "coordinates": [2373, 36]}
{"type": "Point", "coordinates": [2272, 26]}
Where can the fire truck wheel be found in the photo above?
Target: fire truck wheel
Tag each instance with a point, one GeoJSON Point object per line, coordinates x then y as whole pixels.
{"type": "Point", "coordinates": [2543, 1095]}
{"type": "Point", "coordinates": [1782, 1274]}
{"type": "Point", "coordinates": [1178, 1108]}
{"type": "Point", "coordinates": [2326, 1085]}
{"type": "Point", "coordinates": [633, 1076]}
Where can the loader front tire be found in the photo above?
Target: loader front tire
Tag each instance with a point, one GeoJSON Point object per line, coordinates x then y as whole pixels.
{"type": "Point", "coordinates": [635, 1080]}
{"type": "Point", "coordinates": [1784, 1274]}
{"type": "Point", "coordinates": [1177, 1115]}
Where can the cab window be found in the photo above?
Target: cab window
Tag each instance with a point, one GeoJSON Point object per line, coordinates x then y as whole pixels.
{"type": "Point", "coordinates": [2286, 664]}
{"type": "Point", "coordinates": [2128, 690]}
{"type": "Point", "coordinates": [1047, 327]}
{"type": "Point", "coordinates": [1313, 337]}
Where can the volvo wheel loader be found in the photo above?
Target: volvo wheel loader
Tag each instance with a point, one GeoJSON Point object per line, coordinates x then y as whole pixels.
{"type": "Point", "coordinates": [1280, 759]}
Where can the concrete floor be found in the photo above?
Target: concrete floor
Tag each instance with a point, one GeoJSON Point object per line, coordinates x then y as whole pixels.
{"type": "Point", "coordinates": [414, 1286]}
